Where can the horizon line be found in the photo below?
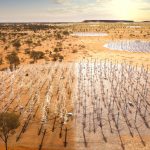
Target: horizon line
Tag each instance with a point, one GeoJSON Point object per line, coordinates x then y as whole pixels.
{"type": "Point", "coordinates": [84, 21]}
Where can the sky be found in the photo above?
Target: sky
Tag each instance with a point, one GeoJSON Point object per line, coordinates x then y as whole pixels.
{"type": "Point", "coordinates": [73, 10]}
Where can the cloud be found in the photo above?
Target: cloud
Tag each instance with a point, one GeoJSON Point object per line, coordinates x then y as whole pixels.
{"type": "Point", "coordinates": [81, 12]}
{"type": "Point", "coordinates": [145, 5]}
{"type": "Point", "coordinates": [101, 8]}
{"type": "Point", "coordinates": [64, 10]}
{"type": "Point", "coordinates": [61, 1]}
{"type": "Point", "coordinates": [145, 8]}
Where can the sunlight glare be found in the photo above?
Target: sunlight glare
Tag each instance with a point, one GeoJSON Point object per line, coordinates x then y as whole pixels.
{"type": "Point", "coordinates": [124, 8]}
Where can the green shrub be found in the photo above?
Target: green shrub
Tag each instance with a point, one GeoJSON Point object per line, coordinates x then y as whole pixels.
{"type": "Point", "coordinates": [27, 51]}
{"type": "Point", "coordinates": [37, 55]}
{"type": "Point", "coordinates": [29, 42]}
{"type": "Point", "coordinates": [8, 123]}
{"type": "Point", "coordinates": [13, 59]}
{"type": "Point", "coordinates": [16, 44]}
{"type": "Point", "coordinates": [56, 50]}
{"type": "Point", "coordinates": [74, 51]}
{"type": "Point", "coordinates": [59, 36]}
{"type": "Point", "coordinates": [66, 33]}
{"type": "Point", "coordinates": [57, 57]}
{"type": "Point", "coordinates": [1, 61]}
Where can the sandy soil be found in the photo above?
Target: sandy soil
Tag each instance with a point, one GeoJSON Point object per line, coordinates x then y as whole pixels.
{"type": "Point", "coordinates": [84, 48]}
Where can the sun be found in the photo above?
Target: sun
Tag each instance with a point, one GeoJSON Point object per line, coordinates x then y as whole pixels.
{"type": "Point", "coordinates": [124, 9]}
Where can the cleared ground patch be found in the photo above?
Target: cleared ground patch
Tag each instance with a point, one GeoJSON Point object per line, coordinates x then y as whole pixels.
{"type": "Point", "coordinates": [131, 46]}
{"type": "Point", "coordinates": [89, 34]}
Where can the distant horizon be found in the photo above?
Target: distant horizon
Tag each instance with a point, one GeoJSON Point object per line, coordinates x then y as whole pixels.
{"type": "Point", "coordinates": [83, 21]}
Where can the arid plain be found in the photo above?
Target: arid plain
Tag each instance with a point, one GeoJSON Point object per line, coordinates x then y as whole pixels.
{"type": "Point", "coordinates": [71, 90]}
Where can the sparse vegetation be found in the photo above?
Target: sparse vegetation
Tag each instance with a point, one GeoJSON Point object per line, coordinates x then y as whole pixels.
{"type": "Point", "coordinates": [13, 59]}
{"type": "Point", "coordinates": [74, 51]}
{"type": "Point", "coordinates": [27, 51]}
{"type": "Point", "coordinates": [8, 123]}
{"type": "Point", "coordinates": [1, 61]}
{"type": "Point", "coordinates": [64, 77]}
{"type": "Point", "coordinates": [66, 33]}
{"type": "Point", "coordinates": [29, 42]}
{"type": "Point", "coordinates": [35, 55]}
{"type": "Point", "coordinates": [17, 44]}
{"type": "Point", "coordinates": [57, 56]}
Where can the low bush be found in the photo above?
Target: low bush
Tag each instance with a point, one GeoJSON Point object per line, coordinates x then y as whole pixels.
{"type": "Point", "coordinates": [27, 51]}
{"type": "Point", "coordinates": [35, 55]}
{"type": "Point", "coordinates": [57, 56]}
{"type": "Point", "coordinates": [16, 44]}
{"type": "Point", "coordinates": [66, 33]}
{"type": "Point", "coordinates": [1, 61]}
{"type": "Point", "coordinates": [13, 59]}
